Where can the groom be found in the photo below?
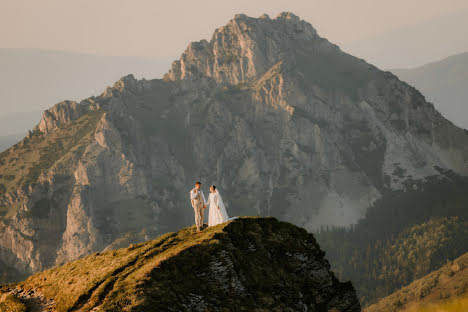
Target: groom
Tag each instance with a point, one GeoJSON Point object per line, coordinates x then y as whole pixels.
{"type": "Point", "coordinates": [199, 204]}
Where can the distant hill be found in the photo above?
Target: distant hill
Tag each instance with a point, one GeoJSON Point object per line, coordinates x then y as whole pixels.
{"type": "Point", "coordinates": [416, 43]}
{"type": "Point", "coordinates": [445, 83]}
{"type": "Point", "coordinates": [249, 264]}
{"type": "Point", "coordinates": [443, 290]}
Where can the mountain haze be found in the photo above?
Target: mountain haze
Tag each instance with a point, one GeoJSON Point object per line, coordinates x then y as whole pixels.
{"type": "Point", "coordinates": [14, 126]}
{"type": "Point", "coordinates": [51, 76]}
{"type": "Point", "coordinates": [32, 79]}
{"type": "Point", "coordinates": [445, 83]}
{"type": "Point", "coordinates": [8, 140]}
{"type": "Point", "coordinates": [280, 119]}
{"type": "Point", "coordinates": [415, 43]}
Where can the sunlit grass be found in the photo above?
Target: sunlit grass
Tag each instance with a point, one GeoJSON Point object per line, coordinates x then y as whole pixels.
{"type": "Point", "coordinates": [454, 305]}
{"type": "Point", "coordinates": [9, 303]}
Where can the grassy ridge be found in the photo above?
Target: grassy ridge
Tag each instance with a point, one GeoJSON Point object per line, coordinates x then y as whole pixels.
{"type": "Point", "coordinates": [250, 264]}
{"type": "Point", "coordinates": [443, 290]}
{"type": "Point", "coordinates": [453, 305]}
{"type": "Point", "coordinates": [84, 283]}
{"type": "Point", "coordinates": [9, 303]}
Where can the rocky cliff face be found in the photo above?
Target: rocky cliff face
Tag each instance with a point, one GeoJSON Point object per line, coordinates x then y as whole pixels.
{"type": "Point", "coordinates": [247, 264]}
{"type": "Point", "coordinates": [280, 119]}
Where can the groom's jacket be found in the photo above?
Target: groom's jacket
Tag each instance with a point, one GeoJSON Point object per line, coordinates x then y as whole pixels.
{"type": "Point", "coordinates": [197, 197]}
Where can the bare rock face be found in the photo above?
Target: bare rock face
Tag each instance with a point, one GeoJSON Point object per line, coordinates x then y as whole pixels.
{"type": "Point", "coordinates": [245, 48]}
{"type": "Point", "coordinates": [62, 113]}
{"type": "Point", "coordinates": [280, 119]}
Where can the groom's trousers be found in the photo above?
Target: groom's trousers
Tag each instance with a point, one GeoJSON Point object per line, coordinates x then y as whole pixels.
{"type": "Point", "coordinates": [199, 211]}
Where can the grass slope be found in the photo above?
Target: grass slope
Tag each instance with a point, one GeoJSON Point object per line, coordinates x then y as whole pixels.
{"type": "Point", "coordinates": [164, 272]}
{"type": "Point", "coordinates": [9, 303]}
{"type": "Point", "coordinates": [443, 290]}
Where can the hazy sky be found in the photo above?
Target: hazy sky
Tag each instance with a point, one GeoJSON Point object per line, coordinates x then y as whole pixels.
{"type": "Point", "coordinates": [163, 29]}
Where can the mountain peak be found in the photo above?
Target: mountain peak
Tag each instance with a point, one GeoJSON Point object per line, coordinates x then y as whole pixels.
{"type": "Point", "coordinates": [289, 16]}
{"type": "Point", "coordinates": [245, 48]}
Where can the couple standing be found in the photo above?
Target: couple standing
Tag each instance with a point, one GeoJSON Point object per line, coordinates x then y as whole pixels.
{"type": "Point", "coordinates": [217, 211]}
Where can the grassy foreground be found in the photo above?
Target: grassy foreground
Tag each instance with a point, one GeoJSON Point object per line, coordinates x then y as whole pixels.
{"type": "Point", "coordinates": [249, 264]}
{"type": "Point", "coordinates": [84, 283]}
{"type": "Point", "coordinates": [9, 303]}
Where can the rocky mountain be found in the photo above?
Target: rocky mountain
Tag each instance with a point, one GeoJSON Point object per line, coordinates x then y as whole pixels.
{"type": "Point", "coordinates": [248, 264]}
{"type": "Point", "coordinates": [445, 83]}
{"type": "Point", "coordinates": [279, 118]}
{"type": "Point", "coordinates": [445, 289]}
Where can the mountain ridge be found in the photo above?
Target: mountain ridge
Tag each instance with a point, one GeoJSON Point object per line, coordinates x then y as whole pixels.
{"type": "Point", "coordinates": [246, 264]}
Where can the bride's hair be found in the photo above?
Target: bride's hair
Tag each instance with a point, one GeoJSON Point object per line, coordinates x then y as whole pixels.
{"type": "Point", "coordinates": [214, 187]}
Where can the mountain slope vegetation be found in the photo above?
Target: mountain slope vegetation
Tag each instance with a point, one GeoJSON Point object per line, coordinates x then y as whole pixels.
{"type": "Point", "coordinates": [443, 290]}
{"type": "Point", "coordinates": [405, 235]}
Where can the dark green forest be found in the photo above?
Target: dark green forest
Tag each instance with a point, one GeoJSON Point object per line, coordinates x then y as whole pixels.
{"type": "Point", "coordinates": [405, 235]}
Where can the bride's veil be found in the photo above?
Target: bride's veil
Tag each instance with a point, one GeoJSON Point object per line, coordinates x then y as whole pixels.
{"type": "Point", "coordinates": [222, 208]}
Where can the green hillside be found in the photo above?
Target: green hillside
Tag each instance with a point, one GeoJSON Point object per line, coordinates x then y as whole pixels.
{"type": "Point", "coordinates": [405, 236]}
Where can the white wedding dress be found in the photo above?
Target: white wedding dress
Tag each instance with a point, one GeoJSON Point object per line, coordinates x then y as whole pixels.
{"type": "Point", "coordinates": [217, 212]}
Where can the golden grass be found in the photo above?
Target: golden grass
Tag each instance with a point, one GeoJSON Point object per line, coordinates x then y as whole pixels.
{"type": "Point", "coordinates": [446, 288]}
{"type": "Point", "coordinates": [454, 305]}
{"type": "Point", "coordinates": [83, 283]}
{"type": "Point", "coordinates": [9, 303]}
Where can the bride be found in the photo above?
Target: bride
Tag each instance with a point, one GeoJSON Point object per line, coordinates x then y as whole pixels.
{"type": "Point", "coordinates": [217, 212]}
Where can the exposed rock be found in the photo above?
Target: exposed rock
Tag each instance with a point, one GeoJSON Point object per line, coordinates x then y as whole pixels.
{"type": "Point", "coordinates": [245, 48]}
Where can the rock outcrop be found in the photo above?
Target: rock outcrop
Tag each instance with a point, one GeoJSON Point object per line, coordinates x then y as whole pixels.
{"type": "Point", "coordinates": [280, 119]}
{"type": "Point", "coordinates": [246, 264]}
